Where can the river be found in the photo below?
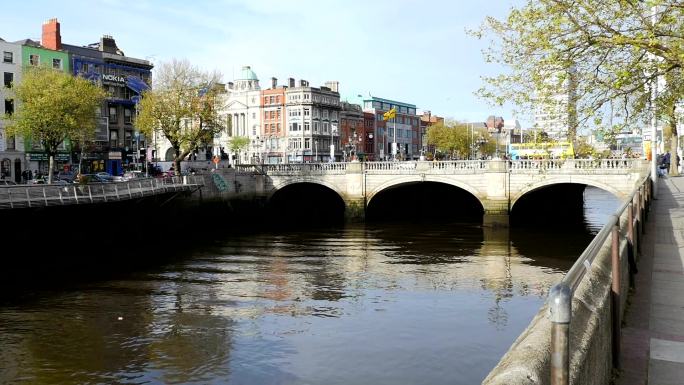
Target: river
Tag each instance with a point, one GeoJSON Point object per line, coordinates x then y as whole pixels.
{"type": "Point", "coordinates": [402, 303]}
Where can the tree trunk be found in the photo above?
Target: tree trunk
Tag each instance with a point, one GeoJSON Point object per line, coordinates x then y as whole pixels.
{"type": "Point", "coordinates": [51, 166]}
{"type": "Point", "coordinates": [674, 142]}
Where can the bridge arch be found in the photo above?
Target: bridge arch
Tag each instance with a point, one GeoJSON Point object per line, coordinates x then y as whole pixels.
{"type": "Point", "coordinates": [565, 180]}
{"type": "Point", "coordinates": [303, 180]}
{"type": "Point", "coordinates": [417, 178]}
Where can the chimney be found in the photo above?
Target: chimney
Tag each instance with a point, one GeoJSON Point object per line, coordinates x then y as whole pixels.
{"type": "Point", "coordinates": [230, 85]}
{"type": "Point", "coordinates": [107, 44]}
{"type": "Point", "coordinates": [333, 85]}
{"type": "Point", "coordinates": [303, 83]}
{"type": "Point", "coordinates": [291, 82]}
{"type": "Point", "coordinates": [274, 82]}
{"type": "Point", "coordinates": [51, 39]}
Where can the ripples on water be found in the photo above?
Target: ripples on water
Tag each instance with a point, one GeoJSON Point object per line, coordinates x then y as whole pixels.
{"type": "Point", "coordinates": [365, 304]}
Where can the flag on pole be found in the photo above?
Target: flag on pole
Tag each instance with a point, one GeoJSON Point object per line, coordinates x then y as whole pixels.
{"type": "Point", "coordinates": [389, 114]}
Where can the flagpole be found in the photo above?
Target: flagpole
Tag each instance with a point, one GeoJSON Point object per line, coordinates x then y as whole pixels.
{"type": "Point", "coordinates": [394, 148]}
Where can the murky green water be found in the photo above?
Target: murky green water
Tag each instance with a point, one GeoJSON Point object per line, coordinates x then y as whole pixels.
{"type": "Point", "coordinates": [363, 304]}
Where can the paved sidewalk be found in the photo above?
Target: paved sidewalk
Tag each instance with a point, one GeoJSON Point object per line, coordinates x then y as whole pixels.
{"type": "Point", "coordinates": [653, 329]}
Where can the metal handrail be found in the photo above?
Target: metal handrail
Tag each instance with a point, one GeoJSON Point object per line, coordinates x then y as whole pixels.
{"type": "Point", "coordinates": [43, 195]}
{"type": "Point", "coordinates": [560, 296]}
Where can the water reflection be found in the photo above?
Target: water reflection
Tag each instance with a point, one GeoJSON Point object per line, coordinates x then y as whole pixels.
{"type": "Point", "coordinates": [382, 304]}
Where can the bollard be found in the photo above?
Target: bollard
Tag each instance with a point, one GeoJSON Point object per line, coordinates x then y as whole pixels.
{"type": "Point", "coordinates": [560, 308]}
{"type": "Point", "coordinates": [615, 294]}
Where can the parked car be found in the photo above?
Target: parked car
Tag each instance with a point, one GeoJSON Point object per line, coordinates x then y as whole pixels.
{"type": "Point", "coordinates": [95, 178]}
{"type": "Point", "coordinates": [130, 175]}
{"type": "Point", "coordinates": [67, 176]}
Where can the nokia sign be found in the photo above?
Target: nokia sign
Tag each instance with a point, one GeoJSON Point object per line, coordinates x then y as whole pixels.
{"type": "Point", "coordinates": [113, 78]}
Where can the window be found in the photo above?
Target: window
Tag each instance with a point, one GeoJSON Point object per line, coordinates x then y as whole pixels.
{"type": "Point", "coordinates": [325, 114]}
{"type": "Point", "coordinates": [9, 79]}
{"type": "Point", "coordinates": [7, 57]}
{"type": "Point", "coordinates": [277, 99]}
{"type": "Point", "coordinates": [112, 115]}
{"type": "Point", "coordinates": [34, 60]}
{"type": "Point", "coordinates": [265, 114]}
{"type": "Point", "coordinates": [278, 127]}
{"type": "Point", "coordinates": [113, 138]}
{"type": "Point", "coordinates": [316, 127]}
{"type": "Point", "coordinates": [307, 112]}
{"type": "Point", "coordinates": [127, 116]}
{"type": "Point", "coordinates": [307, 143]}
{"type": "Point", "coordinates": [306, 97]}
{"type": "Point", "coordinates": [270, 99]}
{"type": "Point", "coordinates": [9, 106]}
{"type": "Point", "coordinates": [294, 127]}
{"type": "Point", "coordinates": [128, 139]}
{"type": "Point", "coordinates": [57, 64]}
{"type": "Point", "coordinates": [307, 126]}
{"type": "Point", "coordinates": [379, 116]}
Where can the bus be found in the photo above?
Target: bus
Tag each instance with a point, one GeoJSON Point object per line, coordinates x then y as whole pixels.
{"type": "Point", "coordinates": [544, 150]}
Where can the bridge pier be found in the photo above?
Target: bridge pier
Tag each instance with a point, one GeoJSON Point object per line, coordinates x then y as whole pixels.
{"type": "Point", "coordinates": [355, 210]}
{"type": "Point", "coordinates": [497, 202]}
{"type": "Point", "coordinates": [496, 213]}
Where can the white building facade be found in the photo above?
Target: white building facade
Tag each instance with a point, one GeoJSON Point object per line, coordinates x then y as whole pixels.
{"type": "Point", "coordinates": [312, 117]}
{"type": "Point", "coordinates": [554, 111]}
{"type": "Point", "coordinates": [243, 114]}
{"type": "Point", "coordinates": [12, 154]}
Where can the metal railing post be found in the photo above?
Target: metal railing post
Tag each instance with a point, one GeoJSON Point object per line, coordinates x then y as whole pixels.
{"type": "Point", "coordinates": [560, 308]}
{"type": "Point", "coordinates": [615, 292]}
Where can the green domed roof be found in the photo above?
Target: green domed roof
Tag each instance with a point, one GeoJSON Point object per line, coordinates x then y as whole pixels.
{"type": "Point", "coordinates": [247, 74]}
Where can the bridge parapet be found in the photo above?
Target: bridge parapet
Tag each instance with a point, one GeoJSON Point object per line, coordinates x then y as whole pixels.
{"type": "Point", "coordinates": [454, 167]}
{"type": "Point", "coordinates": [579, 166]}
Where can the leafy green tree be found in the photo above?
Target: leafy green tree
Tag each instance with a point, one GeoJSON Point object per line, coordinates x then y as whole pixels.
{"type": "Point", "coordinates": [452, 138]}
{"type": "Point", "coordinates": [602, 51]}
{"type": "Point", "coordinates": [184, 105]}
{"type": "Point", "coordinates": [54, 106]}
{"type": "Point", "coordinates": [584, 149]}
{"type": "Point", "coordinates": [237, 144]}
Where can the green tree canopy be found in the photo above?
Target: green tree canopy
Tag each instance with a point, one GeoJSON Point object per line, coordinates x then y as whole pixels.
{"type": "Point", "coordinates": [54, 106]}
{"type": "Point", "coordinates": [459, 140]}
{"type": "Point", "coordinates": [238, 143]}
{"type": "Point", "coordinates": [601, 52]}
{"type": "Point", "coordinates": [184, 106]}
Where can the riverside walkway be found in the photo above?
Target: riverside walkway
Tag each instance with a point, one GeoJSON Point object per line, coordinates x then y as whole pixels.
{"type": "Point", "coordinates": [653, 332]}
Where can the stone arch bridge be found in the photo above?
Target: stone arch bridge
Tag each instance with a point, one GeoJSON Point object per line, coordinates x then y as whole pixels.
{"type": "Point", "coordinates": [497, 184]}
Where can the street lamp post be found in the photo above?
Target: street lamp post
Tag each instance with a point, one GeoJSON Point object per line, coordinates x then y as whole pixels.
{"type": "Point", "coordinates": [333, 127]}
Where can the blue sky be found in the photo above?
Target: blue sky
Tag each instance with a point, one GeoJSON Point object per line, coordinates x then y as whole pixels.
{"type": "Point", "coordinates": [411, 51]}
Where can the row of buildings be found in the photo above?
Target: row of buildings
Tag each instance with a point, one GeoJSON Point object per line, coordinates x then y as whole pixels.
{"type": "Point", "coordinates": [124, 78]}
{"type": "Point", "coordinates": [297, 122]}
